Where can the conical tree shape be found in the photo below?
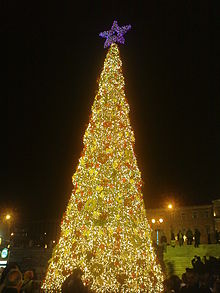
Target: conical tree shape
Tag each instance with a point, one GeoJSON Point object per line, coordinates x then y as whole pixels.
{"type": "Point", "coordinates": [105, 231]}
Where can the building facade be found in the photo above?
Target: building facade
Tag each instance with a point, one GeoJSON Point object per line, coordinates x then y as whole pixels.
{"type": "Point", "coordinates": [205, 218]}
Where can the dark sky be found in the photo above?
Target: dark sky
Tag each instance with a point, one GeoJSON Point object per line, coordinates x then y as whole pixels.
{"type": "Point", "coordinates": [54, 57]}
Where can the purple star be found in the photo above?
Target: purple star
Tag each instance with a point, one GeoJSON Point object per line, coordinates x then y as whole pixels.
{"type": "Point", "coordinates": [115, 34]}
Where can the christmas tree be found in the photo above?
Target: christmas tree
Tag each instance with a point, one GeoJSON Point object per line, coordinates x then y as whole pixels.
{"type": "Point", "coordinates": [105, 231]}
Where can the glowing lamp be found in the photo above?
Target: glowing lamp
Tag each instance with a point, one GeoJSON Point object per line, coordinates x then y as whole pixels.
{"type": "Point", "coordinates": [7, 217]}
{"type": "Point", "coordinates": [4, 253]}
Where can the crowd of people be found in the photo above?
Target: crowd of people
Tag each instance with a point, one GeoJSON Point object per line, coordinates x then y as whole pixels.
{"type": "Point", "coordinates": [187, 237]}
{"type": "Point", "coordinates": [74, 283]}
{"type": "Point", "coordinates": [204, 277]}
{"type": "Point", "coordinates": [13, 281]}
{"type": "Point", "coordinates": [190, 237]}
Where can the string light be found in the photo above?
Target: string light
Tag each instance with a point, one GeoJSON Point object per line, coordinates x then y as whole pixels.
{"type": "Point", "coordinates": [104, 230]}
{"type": "Point", "coordinates": [115, 34]}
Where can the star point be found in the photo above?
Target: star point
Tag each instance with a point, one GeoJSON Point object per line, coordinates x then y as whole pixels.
{"type": "Point", "coordinates": [115, 34]}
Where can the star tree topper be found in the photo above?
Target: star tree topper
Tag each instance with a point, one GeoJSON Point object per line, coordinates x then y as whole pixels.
{"type": "Point", "coordinates": [115, 34]}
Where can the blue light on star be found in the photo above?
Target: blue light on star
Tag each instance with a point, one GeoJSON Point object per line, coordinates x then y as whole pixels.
{"type": "Point", "coordinates": [115, 34]}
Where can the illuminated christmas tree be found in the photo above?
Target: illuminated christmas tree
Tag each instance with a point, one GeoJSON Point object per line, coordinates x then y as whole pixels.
{"type": "Point", "coordinates": [105, 231]}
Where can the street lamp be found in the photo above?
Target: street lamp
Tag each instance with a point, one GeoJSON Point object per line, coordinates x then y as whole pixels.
{"type": "Point", "coordinates": [170, 206]}
{"type": "Point", "coordinates": [7, 217]}
{"type": "Point", "coordinates": [171, 219]}
{"type": "Point", "coordinates": [160, 221]}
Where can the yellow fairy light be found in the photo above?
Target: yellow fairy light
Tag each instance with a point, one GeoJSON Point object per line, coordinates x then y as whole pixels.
{"type": "Point", "coordinates": [104, 231]}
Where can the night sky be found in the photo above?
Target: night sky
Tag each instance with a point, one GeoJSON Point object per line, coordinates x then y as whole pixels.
{"type": "Point", "coordinates": [54, 57]}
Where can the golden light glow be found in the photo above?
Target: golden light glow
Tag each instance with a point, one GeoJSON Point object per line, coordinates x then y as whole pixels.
{"type": "Point", "coordinates": [170, 206]}
{"type": "Point", "coordinates": [161, 220]}
{"type": "Point", "coordinates": [153, 221]}
{"type": "Point", "coordinates": [8, 217]}
{"type": "Point", "coordinates": [104, 230]}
